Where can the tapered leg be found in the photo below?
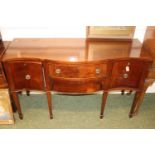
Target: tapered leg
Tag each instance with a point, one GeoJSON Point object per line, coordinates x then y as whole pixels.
{"type": "Point", "coordinates": [49, 98]}
{"type": "Point", "coordinates": [28, 93]}
{"type": "Point", "coordinates": [15, 98]}
{"type": "Point", "coordinates": [140, 99]}
{"type": "Point", "coordinates": [12, 102]}
{"type": "Point", "coordinates": [104, 98]}
{"type": "Point", "coordinates": [122, 92]}
{"type": "Point", "coordinates": [134, 104]}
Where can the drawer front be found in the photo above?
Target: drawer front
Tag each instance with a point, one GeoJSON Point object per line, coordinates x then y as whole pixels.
{"type": "Point", "coordinates": [77, 71]}
{"type": "Point", "coordinates": [26, 75]}
{"type": "Point", "coordinates": [127, 74]}
{"type": "Point", "coordinates": [77, 87]}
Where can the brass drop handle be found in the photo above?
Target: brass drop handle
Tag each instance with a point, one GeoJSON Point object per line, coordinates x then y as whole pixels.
{"type": "Point", "coordinates": [125, 76]}
{"type": "Point", "coordinates": [58, 71]}
{"type": "Point", "coordinates": [27, 77]}
{"type": "Point", "coordinates": [98, 71]}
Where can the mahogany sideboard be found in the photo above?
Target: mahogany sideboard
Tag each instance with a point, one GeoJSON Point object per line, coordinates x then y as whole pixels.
{"type": "Point", "coordinates": [77, 66]}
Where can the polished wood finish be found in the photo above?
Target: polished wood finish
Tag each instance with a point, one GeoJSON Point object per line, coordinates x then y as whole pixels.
{"type": "Point", "coordinates": [134, 104]}
{"type": "Point", "coordinates": [26, 74]}
{"type": "Point", "coordinates": [104, 99]}
{"type": "Point", "coordinates": [49, 98]}
{"type": "Point", "coordinates": [15, 97]}
{"type": "Point", "coordinates": [74, 49]}
{"type": "Point", "coordinates": [83, 77]}
{"type": "Point", "coordinates": [127, 74]}
{"type": "Point", "coordinates": [76, 66]}
{"type": "Point", "coordinates": [149, 46]}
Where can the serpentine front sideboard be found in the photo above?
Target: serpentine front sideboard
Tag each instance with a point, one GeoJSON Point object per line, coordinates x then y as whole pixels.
{"type": "Point", "coordinates": [77, 66]}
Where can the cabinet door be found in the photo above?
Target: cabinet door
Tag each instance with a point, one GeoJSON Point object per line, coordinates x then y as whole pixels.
{"type": "Point", "coordinates": [25, 75]}
{"type": "Point", "coordinates": [128, 74]}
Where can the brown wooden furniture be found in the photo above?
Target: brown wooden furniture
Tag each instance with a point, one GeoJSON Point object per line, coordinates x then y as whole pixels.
{"type": "Point", "coordinates": [26, 74]}
{"type": "Point", "coordinates": [149, 46]}
{"type": "Point", "coordinates": [129, 74]}
{"type": "Point", "coordinates": [74, 77]}
{"type": "Point", "coordinates": [72, 65]}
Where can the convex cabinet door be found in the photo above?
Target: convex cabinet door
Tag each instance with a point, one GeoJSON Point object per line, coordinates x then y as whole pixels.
{"type": "Point", "coordinates": [25, 75]}
{"type": "Point", "coordinates": [128, 74]}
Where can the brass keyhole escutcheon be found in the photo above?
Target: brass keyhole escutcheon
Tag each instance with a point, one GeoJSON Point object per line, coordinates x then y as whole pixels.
{"type": "Point", "coordinates": [58, 71]}
{"type": "Point", "coordinates": [27, 77]}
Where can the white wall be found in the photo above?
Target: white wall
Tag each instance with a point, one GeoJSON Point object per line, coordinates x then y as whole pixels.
{"type": "Point", "coordinates": [140, 32]}
{"type": "Point", "coordinates": [9, 33]}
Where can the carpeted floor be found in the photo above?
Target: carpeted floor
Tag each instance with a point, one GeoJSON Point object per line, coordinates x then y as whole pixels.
{"type": "Point", "coordinates": [76, 112]}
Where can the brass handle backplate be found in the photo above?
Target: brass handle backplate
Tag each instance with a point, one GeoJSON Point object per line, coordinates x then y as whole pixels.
{"type": "Point", "coordinates": [58, 71]}
{"type": "Point", "coordinates": [125, 76]}
{"type": "Point", "coordinates": [27, 77]}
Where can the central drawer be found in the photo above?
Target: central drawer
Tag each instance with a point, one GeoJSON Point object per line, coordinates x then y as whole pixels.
{"type": "Point", "coordinates": [77, 71]}
{"type": "Point", "coordinates": [84, 77]}
{"type": "Point", "coordinates": [25, 75]}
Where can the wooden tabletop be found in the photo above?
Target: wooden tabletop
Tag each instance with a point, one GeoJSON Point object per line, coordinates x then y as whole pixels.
{"type": "Point", "coordinates": [75, 49]}
{"type": "Point", "coordinates": [149, 45]}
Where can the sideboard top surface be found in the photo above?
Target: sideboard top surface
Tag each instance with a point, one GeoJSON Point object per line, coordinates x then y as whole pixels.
{"type": "Point", "coordinates": [74, 49]}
